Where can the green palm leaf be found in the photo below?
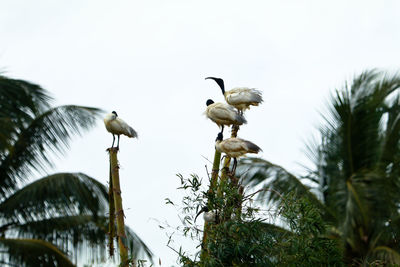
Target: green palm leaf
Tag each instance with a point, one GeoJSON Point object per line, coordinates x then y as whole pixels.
{"type": "Point", "coordinates": [387, 254]}
{"type": "Point", "coordinates": [33, 252]}
{"type": "Point", "coordinates": [356, 167]}
{"type": "Point", "coordinates": [74, 229]}
{"type": "Point", "coordinates": [54, 195]}
{"type": "Point", "coordinates": [82, 232]}
{"type": "Point", "coordinates": [48, 133]}
{"type": "Point", "coordinates": [276, 181]}
{"type": "Point", "coordinates": [65, 208]}
{"type": "Point", "coordinates": [136, 246]}
{"type": "Point", "coordinates": [20, 101]}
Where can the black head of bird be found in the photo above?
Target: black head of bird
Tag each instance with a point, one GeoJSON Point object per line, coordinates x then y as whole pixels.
{"type": "Point", "coordinates": [220, 82]}
{"type": "Point", "coordinates": [209, 102]}
{"type": "Point", "coordinates": [203, 209]}
{"type": "Point", "coordinates": [115, 113]}
{"type": "Point", "coordinates": [220, 137]}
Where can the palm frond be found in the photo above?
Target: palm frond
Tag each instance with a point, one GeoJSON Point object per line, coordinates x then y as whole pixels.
{"type": "Point", "coordinates": [389, 156]}
{"type": "Point", "coordinates": [32, 252]}
{"type": "Point", "coordinates": [76, 234]}
{"type": "Point", "coordinates": [80, 234]}
{"type": "Point", "coordinates": [74, 229]}
{"type": "Point", "coordinates": [48, 133]}
{"type": "Point", "coordinates": [20, 97]}
{"type": "Point", "coordinates": [387, 255]}
{"type": "Point", "coordinates": [136, 246]}
{"type": "Point", "coordinates": [54, 195]}
{"type": "Point", "coordinates": [278, 181]}
{"type": "Point", "coordinates": [20, 102]}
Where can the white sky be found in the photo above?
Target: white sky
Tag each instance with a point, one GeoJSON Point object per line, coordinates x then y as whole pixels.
{"type": "Point", "coordinates": [148, 59]}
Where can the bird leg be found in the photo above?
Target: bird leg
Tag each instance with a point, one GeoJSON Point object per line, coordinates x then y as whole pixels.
{"type": "Point", "coordinates": [118, 143]}
{"type": "Point", "coordinates": [234, 167]}
{"type": "Point", "coordinates": [235, 129]}
{"type": "Point", "coordinates": [222, 129]}
{"type": "Point", "coordinates": [113, 141]}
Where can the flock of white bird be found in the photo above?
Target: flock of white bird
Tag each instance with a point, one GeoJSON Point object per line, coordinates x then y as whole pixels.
{"type": "Point", "coordinates": [223, 114]}
{"type": "Point", "coordinates": [238, 99]}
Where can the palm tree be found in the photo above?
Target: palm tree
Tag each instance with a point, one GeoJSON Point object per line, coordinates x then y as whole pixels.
{"type": "Point", "coordinates": [46, 222]}
{"type": "Point", "coordinates": [355, 178]}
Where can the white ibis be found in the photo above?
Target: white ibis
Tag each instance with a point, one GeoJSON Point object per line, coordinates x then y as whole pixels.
{"type": "Point", "coordinates": [117, 126]}
{"type": "Point", "coordinates": [208, 216]}
{"type": "Point", "coordinates": [240, 97]}
{"type": "Point", "coordinates": [235, 147]}
{"type": "Point", "coordinates": [223, 114]}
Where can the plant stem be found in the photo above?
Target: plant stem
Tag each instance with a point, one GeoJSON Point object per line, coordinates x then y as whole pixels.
{"type": "Point", "coordinates": [123, 251]}
{"type": "Point", "coordinates": [213, 188]}
{"type": "Point", "coordinates": [211, 196]}
{"type": "Point", "coordinates": [111, 216]}
{"type": "Point", "coordinates": [231, 203]}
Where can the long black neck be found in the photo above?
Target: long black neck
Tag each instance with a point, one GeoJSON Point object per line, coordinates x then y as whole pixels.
{"type": "Point", "coordinates": [220, 82]}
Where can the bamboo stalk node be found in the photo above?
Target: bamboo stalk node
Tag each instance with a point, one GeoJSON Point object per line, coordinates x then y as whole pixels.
{"type": "Point", "coordinates": [121, 236]}
{"type": "Point", "coordinates": [117, 201]}
{"type": "Point", "coordinates": [116, 168]}
{"type": "Point", "coordinates": [120, 212]}
{"type": "Point", "coordinates": [117, 191]}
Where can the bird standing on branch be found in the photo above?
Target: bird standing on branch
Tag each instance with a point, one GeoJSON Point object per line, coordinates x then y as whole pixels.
{"type": "Point", "coordinates": [208, 216]}
{"type": "Point", "coordinates": [236, 147]}
{"type": "Point", "coordinates": [240, 97]}
{"type": "Point", "coordinates": [117, 126]}
{"type": "Point", "coordinates": [223, 114]}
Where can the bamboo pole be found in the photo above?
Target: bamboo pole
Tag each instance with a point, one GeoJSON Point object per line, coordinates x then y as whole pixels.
{"type": "Point", "coordinates": [123, 250]}
{"type": "Point", "coordinates": [111, 216]}
{"type": "Point", "coordinates": [211, 194]}
{"type": "Point", "coordinates": [214, 188]}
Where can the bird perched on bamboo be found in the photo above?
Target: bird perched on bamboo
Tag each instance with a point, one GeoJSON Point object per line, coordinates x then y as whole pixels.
{"type": "Point", "coordinates": [208, 216]}
{"type": "Point", "coordinates": [240, 97]}
{"type": "Point", "coordinates": [117, 126]}
{"type": "Point", "coordinates": [235, 147]}
{"type": "Point", "coordinates": [223, 114]}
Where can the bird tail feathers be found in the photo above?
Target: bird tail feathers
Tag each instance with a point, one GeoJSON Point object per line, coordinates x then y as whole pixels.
{"type": "Point", "coordinates": [132, 133]}
{"type": "Point", "coordinates": [253, 148]}
{"type": "Point", "coordinates": [240, 119]}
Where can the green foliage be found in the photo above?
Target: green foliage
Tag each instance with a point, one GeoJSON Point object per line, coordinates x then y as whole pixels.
{"type": "Point", "coordinates": [307, 243]}
{"type": "Point", "coordinates": [33, 252]}
{"type": "Point", "coordinates": [248, 240]}
{"type": "Point", "coordinates": [354, 181]}
{"type": "Point", "coordinates": [57, 215]}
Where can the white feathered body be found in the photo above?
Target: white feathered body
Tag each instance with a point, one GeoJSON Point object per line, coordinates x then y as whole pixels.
{"type": "Point", "coordinates": [117, 126]}
{"type": "Point", "coordinates": [243, 97]}
{"type": "Point", "coordinates": [236, 147]}
{"type": "Point", "coordinates": [223, 114]}
{"type": "Point", "coordinates": [210, 216]}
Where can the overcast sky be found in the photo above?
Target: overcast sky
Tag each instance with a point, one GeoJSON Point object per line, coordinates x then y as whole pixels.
{"type": "Point", "coordinates": [147, 60]}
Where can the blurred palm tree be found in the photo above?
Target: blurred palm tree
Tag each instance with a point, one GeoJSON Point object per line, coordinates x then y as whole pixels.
{"type": "Point", "coordinates": [355, 178]}
{"type": "Point", "coordinates": [47, 222]}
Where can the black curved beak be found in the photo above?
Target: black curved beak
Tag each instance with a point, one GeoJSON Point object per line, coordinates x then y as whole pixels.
{"type": "Point", "coordinates": [204, 209]}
